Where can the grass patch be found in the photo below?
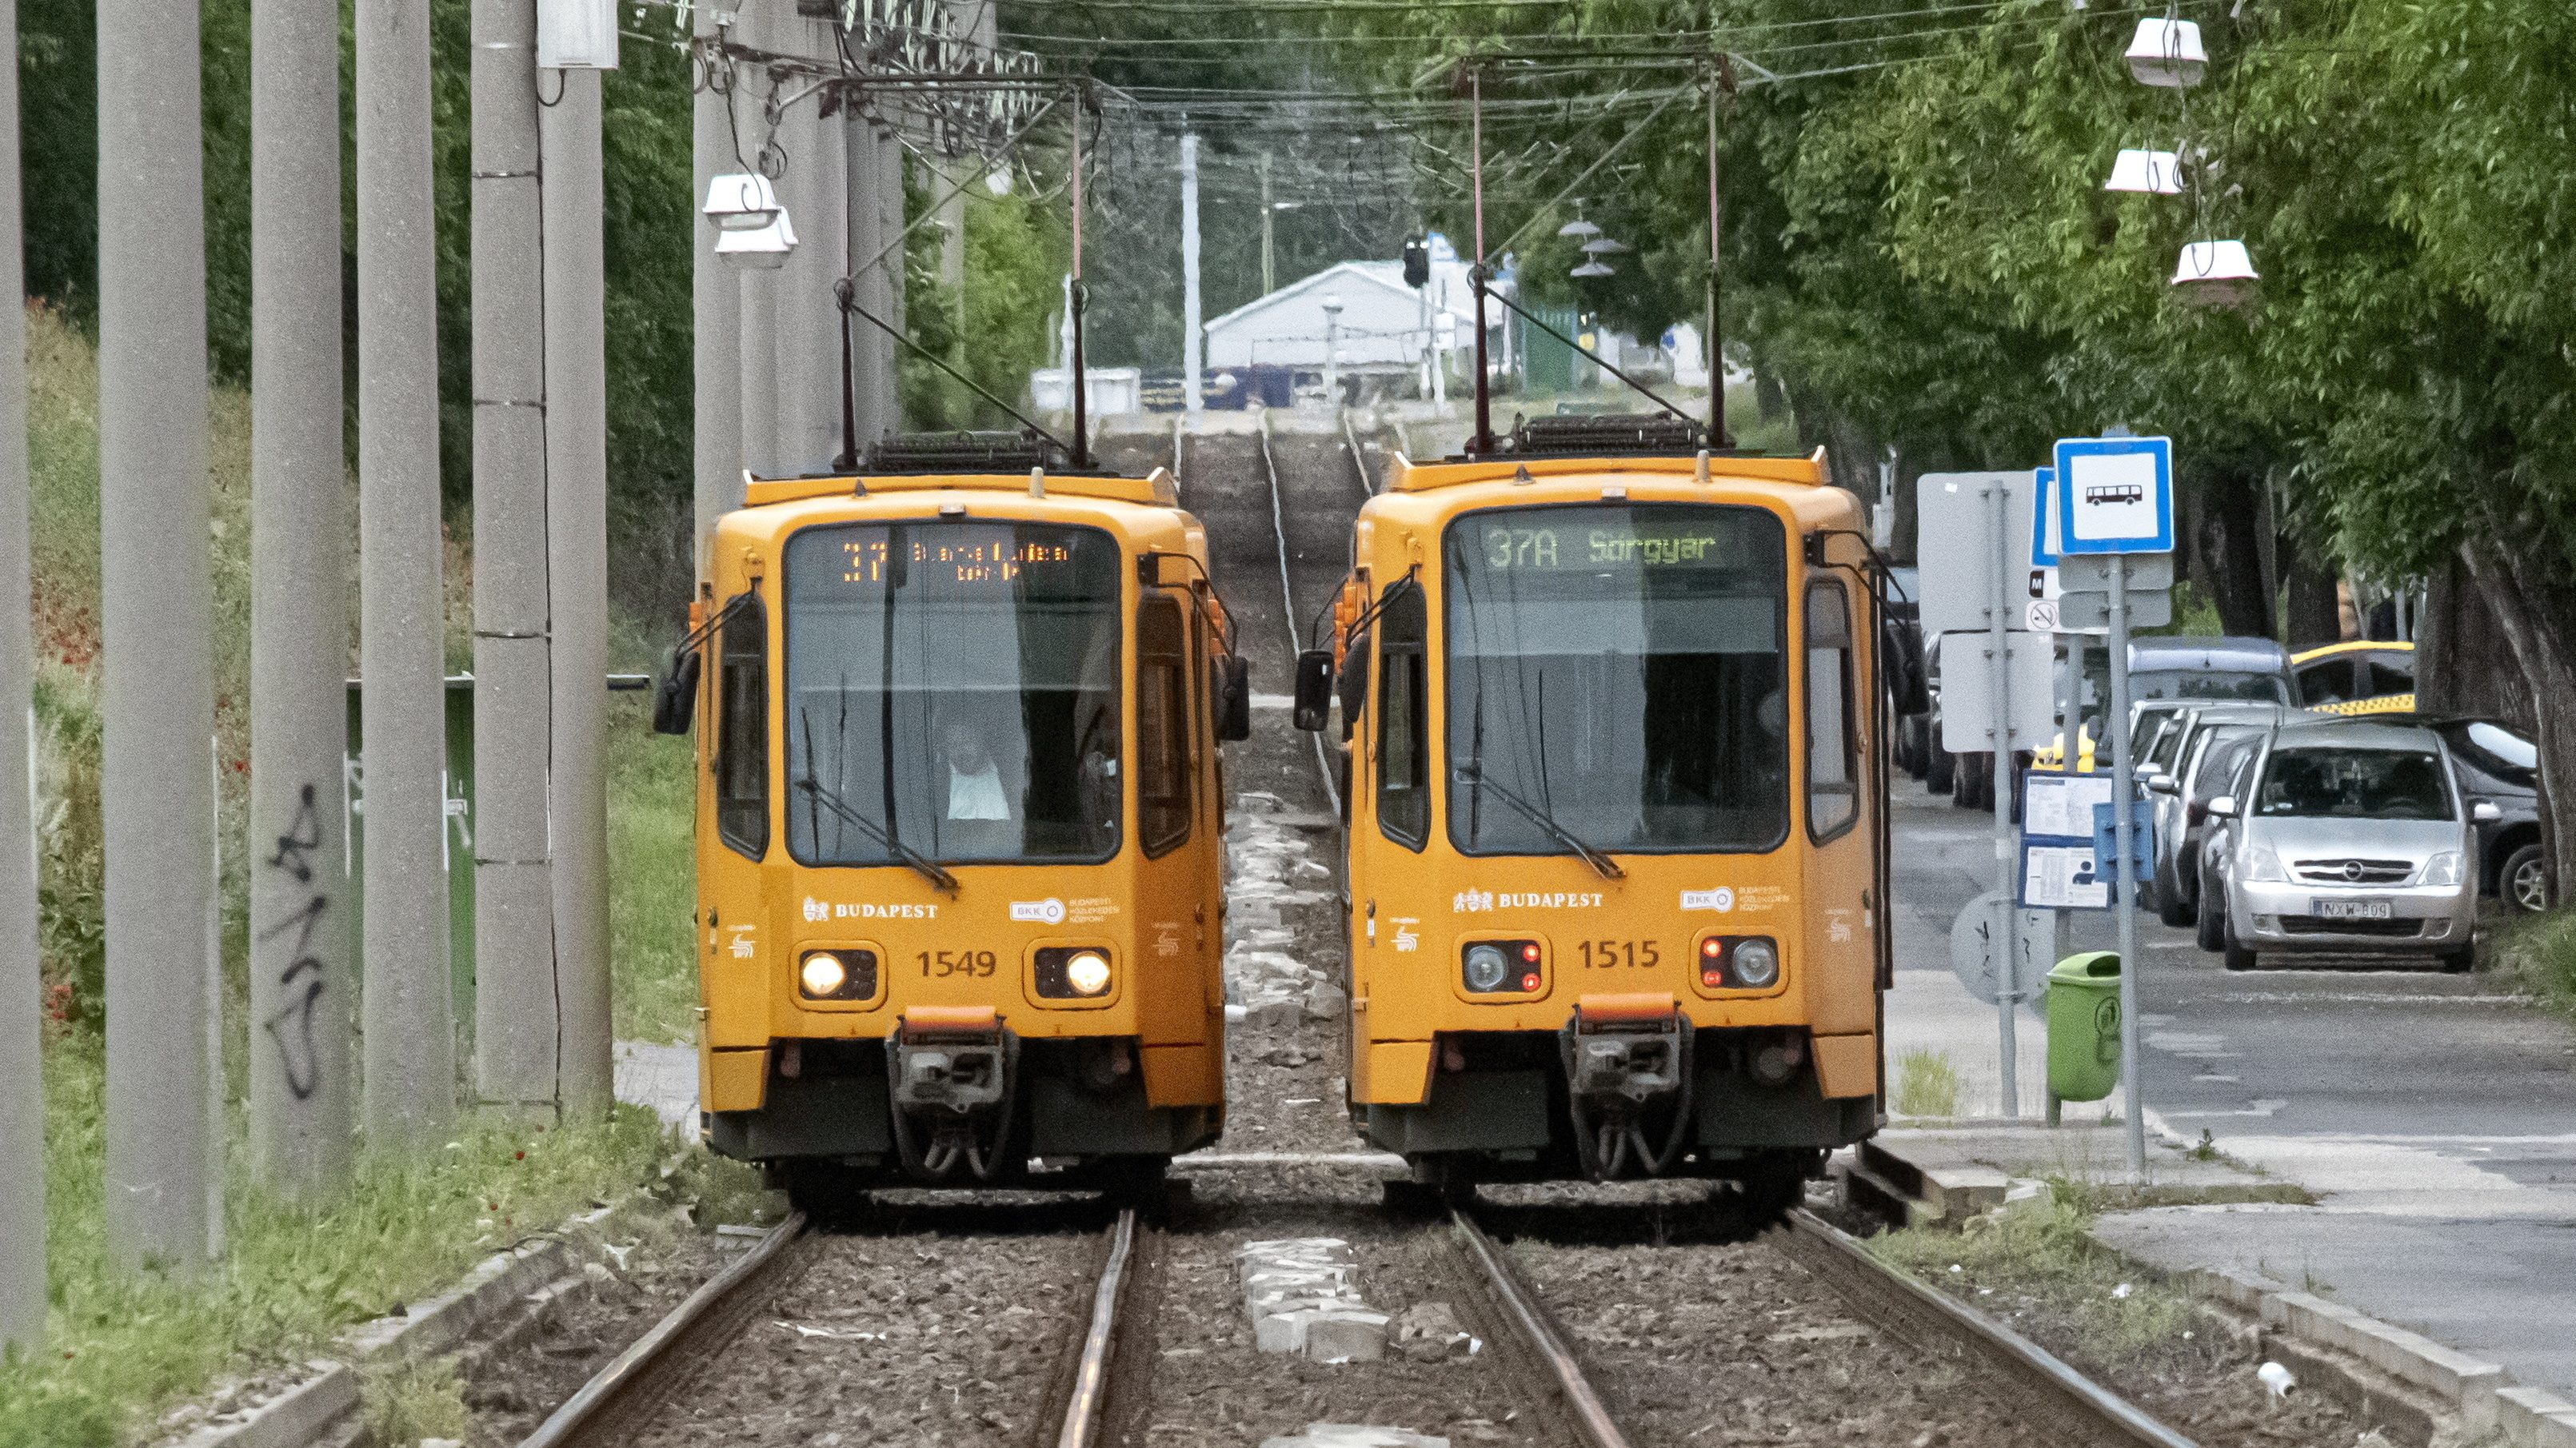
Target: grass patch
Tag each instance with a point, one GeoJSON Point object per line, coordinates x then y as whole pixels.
{"type": "Point", "coordinates": [2538, 957]}
{"type": "Point", "coordinates": [1927, 1085]}
{"type": "Point", "coordinates": [119, 1347]}
{"type": "Point", "coordinates": [652, 889]}
{"type": "Point", "coordinates": [2040, 1258]}
{"type": "Point", "coordinates": [407, 1400]}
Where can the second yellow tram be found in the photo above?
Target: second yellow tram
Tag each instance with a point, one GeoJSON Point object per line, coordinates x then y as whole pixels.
{"type": "Point", "coordinates": [1617, 832]}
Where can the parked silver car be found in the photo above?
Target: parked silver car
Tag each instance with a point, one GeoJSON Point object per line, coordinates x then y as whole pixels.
{"type": "Point", "coordinates": [2349, 836]}
{"type": "Point", "coordinates": [2182, 790]}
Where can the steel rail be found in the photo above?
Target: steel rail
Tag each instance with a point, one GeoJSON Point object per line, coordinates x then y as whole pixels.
{"type": "Point", "coordinates": [1591, 1417]}
{"type": "Point", "coordinates": [1083, 1410]}
{"type": "Point", "coordinates": [1288, 603]}
{"type": "Point", "coordinates": [1359, 460]}
{"type": "Point", "coordinates": [615, 1384]}
{"type": "Point", "coordinates": [1937, 1321]}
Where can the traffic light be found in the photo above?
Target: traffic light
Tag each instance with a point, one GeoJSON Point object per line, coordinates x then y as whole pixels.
{"type": "Point", "coordinates": [1417, 263]}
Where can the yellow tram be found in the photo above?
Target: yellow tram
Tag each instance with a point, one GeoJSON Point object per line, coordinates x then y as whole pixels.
{"type": "Point", "coordinates": [960, 837]}
{"type": "Point", "coordinates": [1617, 825]}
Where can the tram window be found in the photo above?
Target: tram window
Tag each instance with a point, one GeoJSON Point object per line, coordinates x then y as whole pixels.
{"type": "Point", "coordinates": [1403, 739]}
{"type": "Point", "coordinates": [1833, 795]}
{"type": "Point", "coordinates": [1162, 724]}
{"type": "Point", "coordinates": [742, 731]}
{"type": "Point", "coordinates": [953, 687]}
{"type": "Point", "coordinates": [1620, 668]}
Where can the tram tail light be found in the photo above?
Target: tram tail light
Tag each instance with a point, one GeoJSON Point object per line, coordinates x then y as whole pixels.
{"type": "Point", "coordinates": [1502, 967]}
{"type": "Point", "coordinates": [1738, 962]}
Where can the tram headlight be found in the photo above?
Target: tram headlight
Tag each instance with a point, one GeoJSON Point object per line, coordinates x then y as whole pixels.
{"type": "Point", "coordinates": [837, 975]}
{"type": "Point", "coordinates": [1487, 967]}
{"type": "Point", "coordinates": [1087, 973]}
{"type": "Point", "coordinates": [1757, 963]}
{"type": "Point", "coordinates": [1073, 973]}
{"type": "Point", "coordinates": [1503, 967]}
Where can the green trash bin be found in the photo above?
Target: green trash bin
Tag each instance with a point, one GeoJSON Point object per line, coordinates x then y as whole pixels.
{"type": "Point", "coordinates": [2084, 1026]}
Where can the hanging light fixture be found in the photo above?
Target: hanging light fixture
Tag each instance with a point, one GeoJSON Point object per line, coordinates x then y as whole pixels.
{"type": "Point", "coordinates": [2157, 173]}
{"type": "Point", "coordinates": [1603, 246]}
{"type": "Point", "coordinates": [2215, 274]}
{"type": "Point", "coordinates": [2167, 53]}
{"type": "Point", "coordinates": [759, 248]}
{"type": "Point", "coordinates": [1593, 268]}
{"type": "Point", "coordinates": [1578, 227]}
{"type": "Point", "coordinates": [741, 201]}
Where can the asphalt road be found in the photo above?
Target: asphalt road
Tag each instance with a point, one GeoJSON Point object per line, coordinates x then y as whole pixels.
{"type": "Point", "coordinates": [2434, 1116]}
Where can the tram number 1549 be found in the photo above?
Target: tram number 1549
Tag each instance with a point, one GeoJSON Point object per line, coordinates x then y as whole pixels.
{"type": "Point", "coordinates": [1611, 954]}
{"type": "Point", "coordinates": [977, 963]}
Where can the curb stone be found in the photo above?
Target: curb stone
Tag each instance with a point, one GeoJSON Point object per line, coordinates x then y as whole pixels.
{"type": "Point", "coordinates": [305, 1412]}
{"type": "Point", "coordinates": [2381, 1367]}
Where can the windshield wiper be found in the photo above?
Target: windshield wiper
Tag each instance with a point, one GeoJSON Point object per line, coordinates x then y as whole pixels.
{"type": "Point", "coordinates": [1473, 773]}
{"type": "Point", "coordinates": [830, 798]}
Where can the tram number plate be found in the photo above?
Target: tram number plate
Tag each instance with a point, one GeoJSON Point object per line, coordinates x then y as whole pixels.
{"type": "Point", "coordinates": [1613, 954]}
{"type": "Point", "coordinates": [977, 963]}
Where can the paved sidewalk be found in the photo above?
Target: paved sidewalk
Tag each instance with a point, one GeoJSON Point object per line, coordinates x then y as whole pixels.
{"type": "Point", "coordinates": [2433, 1118]}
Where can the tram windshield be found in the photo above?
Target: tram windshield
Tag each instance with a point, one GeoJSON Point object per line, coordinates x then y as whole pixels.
{"type": "Point", "coordinates": [1622, 667]}
{"type": "Point", "coordinates": [952, 691]}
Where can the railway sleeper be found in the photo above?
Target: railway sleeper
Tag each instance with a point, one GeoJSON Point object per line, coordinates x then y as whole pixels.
{"type": "Point", "coordinates": [838, 1117]}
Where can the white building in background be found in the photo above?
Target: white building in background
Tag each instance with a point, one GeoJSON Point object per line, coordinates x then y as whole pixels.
{"type": "Point", "coordinates": [1382, 326]}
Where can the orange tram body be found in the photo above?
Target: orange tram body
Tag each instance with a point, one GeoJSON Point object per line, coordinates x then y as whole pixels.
{"type": "Point", "coordinates": [961, 823]}
{"type": "Point", "coordinates": [1617, 828]}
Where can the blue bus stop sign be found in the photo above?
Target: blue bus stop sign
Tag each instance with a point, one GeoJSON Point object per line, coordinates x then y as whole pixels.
{"type": "Point", "coordinates": [2114, 495]}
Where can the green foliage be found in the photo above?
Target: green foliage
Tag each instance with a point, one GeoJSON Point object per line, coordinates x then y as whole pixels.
{"type": "Point", "coordinates": [121, 1346]}
{"type": "Point", "coordinates": [1016, 252]}
{"type": "Point", "coordinates": [409, 1399]}
{"type": "Point", "coordinates": [652, 844]}
{"type": "Point", "coordinates": [1927, 1085]}
{"type": "Point", "coordinates": [2539, 958]}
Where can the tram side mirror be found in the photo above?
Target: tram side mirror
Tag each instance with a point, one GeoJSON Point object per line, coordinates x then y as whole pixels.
{"type": "Point", "coordinates": [1907, 687]}
{"type": "Point", "coordinates": [1352, 685]}
{"type": "Point", "coordinates": [1314, 695]}
{"type": "Point", "coordinates": [1233, 699]}
{"type": "Point", "coordinates": [675, 699]}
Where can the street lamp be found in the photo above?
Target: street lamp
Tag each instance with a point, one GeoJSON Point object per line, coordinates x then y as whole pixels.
{"type": "Point", "coordinates": [1332, 350]}
{"type": "Point", "coordinates": [2156, 173]}
{"type": "Point", "coordinates": [2167, 53]}
{"type": "Point", "coordinates": [2215, 273]}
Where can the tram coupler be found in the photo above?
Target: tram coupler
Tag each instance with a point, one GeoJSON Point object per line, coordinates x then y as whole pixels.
{"type": "Point", "coordinates": [951, 1072]}
{"type": "Point", "coordinates": [1626, 1055]}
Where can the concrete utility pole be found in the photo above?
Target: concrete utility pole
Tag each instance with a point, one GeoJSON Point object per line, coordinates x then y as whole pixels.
{"type": "Point", "coordinates": [875, 290]}
{"type": "Point", "coordinates": [303, 983]}
{"type": "Point", "coordinates": [22, 1097]}
{"type": "Point", "coordinates": [577, 584]}
{"type": "Point", "coordinates": [716, 306]}
{"type": "Point", "coordinates": [157, 696]}
{"type": "Point", "coordinates": [409, 1022]}
{"type": "Point", "coordinates": [808, 399]}
{"type": "Point", "coordinates": [1191, 363]}
{"type": "Point", "coordinates": [758, 329]}
{"type": "Point", "coordinates": [514, 926]}
{"type": "Point", "coordinates": [1268, 283]}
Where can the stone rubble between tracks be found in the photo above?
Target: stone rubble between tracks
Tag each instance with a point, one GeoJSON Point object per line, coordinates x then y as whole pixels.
{"type": "Point", "coordinates": [1303, 1294]}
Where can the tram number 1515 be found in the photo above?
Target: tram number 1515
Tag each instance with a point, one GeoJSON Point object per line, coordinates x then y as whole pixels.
{"type": "Point", "coordinates": [1611, 954]}
{"type": "Point", "coordinates": [977, 963]}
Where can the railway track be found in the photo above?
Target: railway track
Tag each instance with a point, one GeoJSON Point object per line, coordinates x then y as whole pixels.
{"type": "Point", "coordinates": [628, 1401]}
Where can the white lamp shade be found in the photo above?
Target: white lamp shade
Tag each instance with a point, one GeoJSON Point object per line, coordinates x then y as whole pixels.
{"type": "Point", "coordinates": [2215, 272]}
{"type": "Point", "coordinates": [1603, 246]}
{"type": "Point", "coordinates": [2158, 173]}
{"type": "Point", "coordinates": [2167, 53]}
{"type": "Point", "coordinates": [1578, 227]}
{"type": "Point", "coordinates": [741, 201]}
{"type": "Point", "coordinates": [1592, 269]}
{"type": "Point", "coordinates": [577, 34]}
{"type": "Point", "coordinates": [998, 180]}
{"type": "Point", "coordinates": [762, 248]}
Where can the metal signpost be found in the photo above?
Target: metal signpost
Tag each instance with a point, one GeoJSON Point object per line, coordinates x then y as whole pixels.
{"type": "Point", "coordinates": [1980, 519]}
{"type": "Point", "coordinates": [2113, 497]}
